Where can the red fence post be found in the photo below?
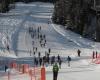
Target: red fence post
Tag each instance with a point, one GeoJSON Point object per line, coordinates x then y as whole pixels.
{"type": "Point", "coordinates": [25, 68]}
{"type": "Point", "coordinates": [30, 73]}
{"type": "Point", "coordinates": [13, 65]}
{"type": "Point", "coordinates": [43, 73]}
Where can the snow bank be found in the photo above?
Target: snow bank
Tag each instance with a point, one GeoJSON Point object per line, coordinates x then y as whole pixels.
{"type": "Point", "coordinates": [76, 38]}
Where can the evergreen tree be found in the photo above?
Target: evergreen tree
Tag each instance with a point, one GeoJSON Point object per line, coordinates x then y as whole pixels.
{"type": "Point", "coordinates": [78, 16]}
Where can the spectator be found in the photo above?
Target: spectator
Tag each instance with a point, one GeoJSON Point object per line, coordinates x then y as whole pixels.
{"type": "Point", "coordinates": [55, 71]}
{"type": "Point", "coordinates": [68, 59]}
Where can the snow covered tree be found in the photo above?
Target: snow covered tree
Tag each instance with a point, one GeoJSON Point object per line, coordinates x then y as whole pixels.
{"type": "Point", "coordinates": [62, 7]}
{"type": "Point", "coordinates": [4, 5]}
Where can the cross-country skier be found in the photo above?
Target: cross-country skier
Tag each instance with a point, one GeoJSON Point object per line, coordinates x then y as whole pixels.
{"type": "Point", "coordinates": [55, 71]}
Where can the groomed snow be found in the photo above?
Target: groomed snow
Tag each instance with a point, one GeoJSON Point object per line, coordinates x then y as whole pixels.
{"type": "Point", "coordinates": [14, 31]}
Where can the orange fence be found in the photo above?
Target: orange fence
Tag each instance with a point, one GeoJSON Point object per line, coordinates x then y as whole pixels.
{"type": "Point", "coordinates": [43, 74]}
{"type": "Point", "coordinates": [13, 65]}
{"type": "Point", "coordinates": [35, 73]}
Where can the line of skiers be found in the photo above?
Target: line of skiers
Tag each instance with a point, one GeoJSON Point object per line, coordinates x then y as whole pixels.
{"type": "Point", "coordinates": [95, 55]}
{"type": "Point", "coordinates": [36, 33]}
{"type": "Point", "coordinates": [42, 40]}
{"type": "Point", "coordinates": [47, 60]}
{"type": "Point", "coordinates": [41, 37]}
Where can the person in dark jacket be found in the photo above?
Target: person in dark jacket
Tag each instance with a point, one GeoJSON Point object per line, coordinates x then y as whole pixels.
{"type": "Point", "coordinates": [8, 47]}
{"type": "Point", "coordinates": [58, 57]}
{"type": "Point", "coordinates": [55, 71]}
{"type": "Point", "coordinates": [49, 50]}
{"type": "Point", "coordinates": [52, 60]}
{"type": "Point", "coordinates": [78, 52]}
{"type": "Point", "coordinates": [93, 55]}
{"type": "Point", "coordinates": [96, 54]}
{"type": "Point", "coordinates": [40, 61]}
{"type": "Point", "coordinates": [60, 62]}
{"type": "Point", "coordinates": [6, 67]}
{"type": "Point", "coordinates": [68, 59]}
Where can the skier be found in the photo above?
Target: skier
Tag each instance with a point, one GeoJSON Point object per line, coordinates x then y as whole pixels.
{"type": "Point", "coordinates": [60, 62]}
{"type": "Point", "coordinates": [39, 54]}
{"type": "Point", "coordinates": [33, 48]}
{"type": "Point", "coordinates": [41, 36]}
{"type": "Point", "coordinates": [37, 62]}
{"type": "Point", "coordinates": [52, 60]}
{"type": "Point", "coordinates": [6, 67]}
{"type": "Point", "coordinates": [93, 55]}
{"type": "Point", "coordinates": [36, 49]}
{"type": "Point", "coordinates": [38, 30]}
{"type": "Point", "coordinates": [68, 59]}
{"type": "Point", "coordinates": [45, 41]}
{"type": "Point", "coordinates": [48, 58]}
{"type": "Point", "coordinates": [49, 50]}
{"type": "Point", "coordinates": [33, 53]}
{"type": "Point", "coordinates": [34, 61]}
{"type": "Point", "coordinates": [40, 27]}
{"type": "Point", "coordinates": [55, 71]}
{"type": "Point", "coordinates": [8, 47]}
{"type": "Point", "coordinates": [29, 30]}
{"type": "Point", "coordinates": [40, 41]}
{"type": "Point", "coordinates": [58, 57]}
{"type": "Point", "coordinates": [44, 59]}
{"type": "Point", "coordinates": [78, 52]}
{"type": "Point", "coordinates": [40, 61]}
{"type": "Point", "coordinates": [44, 36]}
{"type": "Point", "coordinates": [96, 54]}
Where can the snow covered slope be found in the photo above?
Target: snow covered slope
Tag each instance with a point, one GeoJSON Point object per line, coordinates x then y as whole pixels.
{"type": "Point", "coordinates": [14, 31]}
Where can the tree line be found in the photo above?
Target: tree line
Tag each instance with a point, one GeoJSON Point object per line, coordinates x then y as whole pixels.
{"type": "Point", "coordinates": [5, 4]}
{"type": "Point", "coordinates": [27, 1]}
{"type": "Point", "coordinates": [75, 15]}
{"type": "Point", "coordinates": [78, 16]}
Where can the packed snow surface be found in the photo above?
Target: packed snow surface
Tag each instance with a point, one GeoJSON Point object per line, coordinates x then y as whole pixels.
{"type": "Point", "coordinates": [14, 27]}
